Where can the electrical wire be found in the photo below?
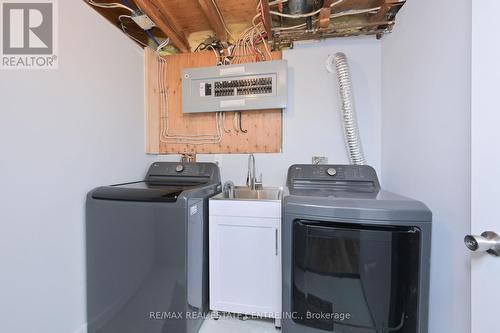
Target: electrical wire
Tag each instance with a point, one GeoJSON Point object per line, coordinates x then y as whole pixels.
{"type": "Point", "coordinates": [247, 44]}
{"type": "Point", "coordinates": [176, 138]}
{"type": "Point", "coordinates": [153, 38]}
{"type": "Point", "coordinates": [224, 123]}
{"type": "Point", "coordinates": [335, 15]}
{"type": "Point", "coordinates": [316, 12]}
{"type": "Point", "coordinates": [239, 123]}
{"type": "Point", "coordinates": [162, 45]}
{"type": "Point", "coordinates": [217, 60]}
{"type": "Point", "coordinates": [235, 122]}
{"type": "Point", "coordinates": [222, 20]}
{"type": "Point", "coordinates": [277, 2]}
{"type": "Point", "coordinates": [128, 4]}
{"type": "Point", "coordinates": [124, 29]}
{"type": "Point", "coordinates": [124, 16]}
{"type": "Point", "coordinates": [109, 5]}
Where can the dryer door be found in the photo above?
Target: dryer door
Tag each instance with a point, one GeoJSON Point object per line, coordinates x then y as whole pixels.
{"type": "Point", "coordinates": [355, 278]}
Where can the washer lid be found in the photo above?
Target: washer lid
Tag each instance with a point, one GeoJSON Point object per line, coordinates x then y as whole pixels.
{"type": "Point", "coordinates": [140, 191]}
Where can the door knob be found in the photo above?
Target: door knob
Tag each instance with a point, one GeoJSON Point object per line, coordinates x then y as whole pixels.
{"type": "Point", "coordinates": [489, 242]}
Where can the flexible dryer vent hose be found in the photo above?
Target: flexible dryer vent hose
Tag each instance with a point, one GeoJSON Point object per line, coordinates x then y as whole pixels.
{"type": "Point", "coordinates": [349, 121]}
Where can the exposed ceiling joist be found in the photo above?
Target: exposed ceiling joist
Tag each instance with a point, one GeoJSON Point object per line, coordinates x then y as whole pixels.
{"type": "Point", "coordinates": [324, 14]}
{"type": "Point", "coordinates": [189, 22]}
{"type": "Point", "coordinates": [384, 10]}
{"type": "Point", "coordinates": [166, 22]}
{"type": "Point", "coordinates": [267, 19]}
{"type": "Point", "coordinates": [214, 17]}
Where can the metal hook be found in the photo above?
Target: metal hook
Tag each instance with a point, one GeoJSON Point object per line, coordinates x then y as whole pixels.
{"type": "Point", "coordinates": [239, 123]}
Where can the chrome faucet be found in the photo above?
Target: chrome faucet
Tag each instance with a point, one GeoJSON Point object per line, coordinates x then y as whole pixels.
{"type": "Point", "coordinates": [252, 181]}
{"type": "Point", "coordinates": [228, 189]}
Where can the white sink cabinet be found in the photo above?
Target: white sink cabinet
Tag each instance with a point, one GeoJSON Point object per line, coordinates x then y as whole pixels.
{"type": "Point", "coordinates": [245, 256]}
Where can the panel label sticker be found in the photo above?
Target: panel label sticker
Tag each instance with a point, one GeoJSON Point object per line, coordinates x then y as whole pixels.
{"type": "Point", "coordinates": [232, 71]}
{"type": "Point", "coordinates": [232, 103]}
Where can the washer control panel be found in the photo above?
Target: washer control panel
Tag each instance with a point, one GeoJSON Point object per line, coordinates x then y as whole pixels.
{"type": "Point", "coordinates": [176, 169]}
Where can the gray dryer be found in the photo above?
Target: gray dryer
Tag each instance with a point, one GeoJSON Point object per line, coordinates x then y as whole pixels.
{"type": "Point", "coordinates": [355, 258]}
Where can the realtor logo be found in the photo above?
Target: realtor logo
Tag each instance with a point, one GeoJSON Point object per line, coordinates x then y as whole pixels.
{"type": "Point", "coordinates": [28, 34]}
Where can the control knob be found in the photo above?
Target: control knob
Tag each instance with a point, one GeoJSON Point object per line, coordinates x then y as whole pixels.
{"type": "Point", "coordinates": [331, 172]}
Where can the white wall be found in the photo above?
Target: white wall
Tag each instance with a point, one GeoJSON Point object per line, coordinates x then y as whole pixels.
{"type": "Point", "coordinates": [426, 139]}
{"type": "Point", "coordinates": [311, 124]}
{"type": "Point", "coordinates": [62, 133]}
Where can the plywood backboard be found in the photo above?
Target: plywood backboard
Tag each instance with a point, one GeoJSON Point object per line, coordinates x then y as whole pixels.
{"type": "Point", "coordinates": [264, 127]}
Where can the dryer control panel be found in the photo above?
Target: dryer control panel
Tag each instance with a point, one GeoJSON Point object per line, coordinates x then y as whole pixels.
{"type": "Point", "coordinates": [332, 177]}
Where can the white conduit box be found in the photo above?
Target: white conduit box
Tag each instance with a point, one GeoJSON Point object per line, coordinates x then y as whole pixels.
{"type": "Point", "coordinates": [241, 87]}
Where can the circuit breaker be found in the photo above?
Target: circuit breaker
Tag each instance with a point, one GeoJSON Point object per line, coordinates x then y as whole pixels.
{"type": "Point", "coordinates": [249, 86]}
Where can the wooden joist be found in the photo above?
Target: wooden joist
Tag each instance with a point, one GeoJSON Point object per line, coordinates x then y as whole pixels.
{"type": "Point", "coordinates": [385, 7]}
{"type": "Point", "coordinates": [188, 22]}
{"type": "Point", "coordinates": [214, 17]}
{"type": "Point", "coordinates": [267, 19]}
{"type": "Point", "coordinates": [166, 22]}
{"type": "Point", "coordinates": [324, 14]}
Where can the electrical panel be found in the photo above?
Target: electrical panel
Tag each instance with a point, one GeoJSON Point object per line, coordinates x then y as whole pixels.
{"type": "Point", "coordinates": [249, 86]}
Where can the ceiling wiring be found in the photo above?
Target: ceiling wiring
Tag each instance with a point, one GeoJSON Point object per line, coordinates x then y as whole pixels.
{"type": "Point", "coordinates": [277, 2]}
{"type": "Point", "coordinates": [247, 44]}
{"type": "Point", "coordinates": [124, 16]}
{"type": "Point", "coordinates": [109, 5]}
{"type": "Point", "coordinates": [162, 45]}
{"type": "Point", "coordinates": [222, 20]}
{"type": "Point", "coordinates": [153, 38]}
{"type": "Point", "coordinates": [126, 5]}
{"type": "Point", "coordinates": [130, 5]}
{"type": "Point", "coordinates": [335, 15]}
{"type": "Point", "coordinates": [216, 46]}
{"type": "Point", "coordinates": [247, 48]}
{"type": "Point", "coordinates": [295, 16]}
{"type": "Point", "coordinates": [126, 30]}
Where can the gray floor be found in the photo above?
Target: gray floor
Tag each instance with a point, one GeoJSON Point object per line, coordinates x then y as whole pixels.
{"type": "Point", "coordinates": [234, 325]}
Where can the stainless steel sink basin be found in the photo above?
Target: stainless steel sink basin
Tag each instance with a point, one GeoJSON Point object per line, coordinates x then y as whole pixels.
{"type": "Point", "coordinates": [245, 193]}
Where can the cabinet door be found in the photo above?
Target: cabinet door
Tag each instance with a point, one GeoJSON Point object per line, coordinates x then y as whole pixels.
{"type": "Point", "coordinates": [245, 265]}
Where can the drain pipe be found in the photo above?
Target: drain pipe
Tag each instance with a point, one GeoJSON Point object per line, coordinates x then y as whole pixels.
{"type": "Point", "coordinates": [338, 63]}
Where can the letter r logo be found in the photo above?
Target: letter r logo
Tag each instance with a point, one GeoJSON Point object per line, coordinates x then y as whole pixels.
{"type": "Point", "coordinates": [27, 27]}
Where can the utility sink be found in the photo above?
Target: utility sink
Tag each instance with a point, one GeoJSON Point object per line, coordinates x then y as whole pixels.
{"type": "Point", "coordinates": [245, 250]}
{"type": "Point", "coordinates": [245, 193]}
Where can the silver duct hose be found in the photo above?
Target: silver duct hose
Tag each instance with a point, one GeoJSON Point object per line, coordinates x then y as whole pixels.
{"type": "Point", "coordinates": [350, 124]}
